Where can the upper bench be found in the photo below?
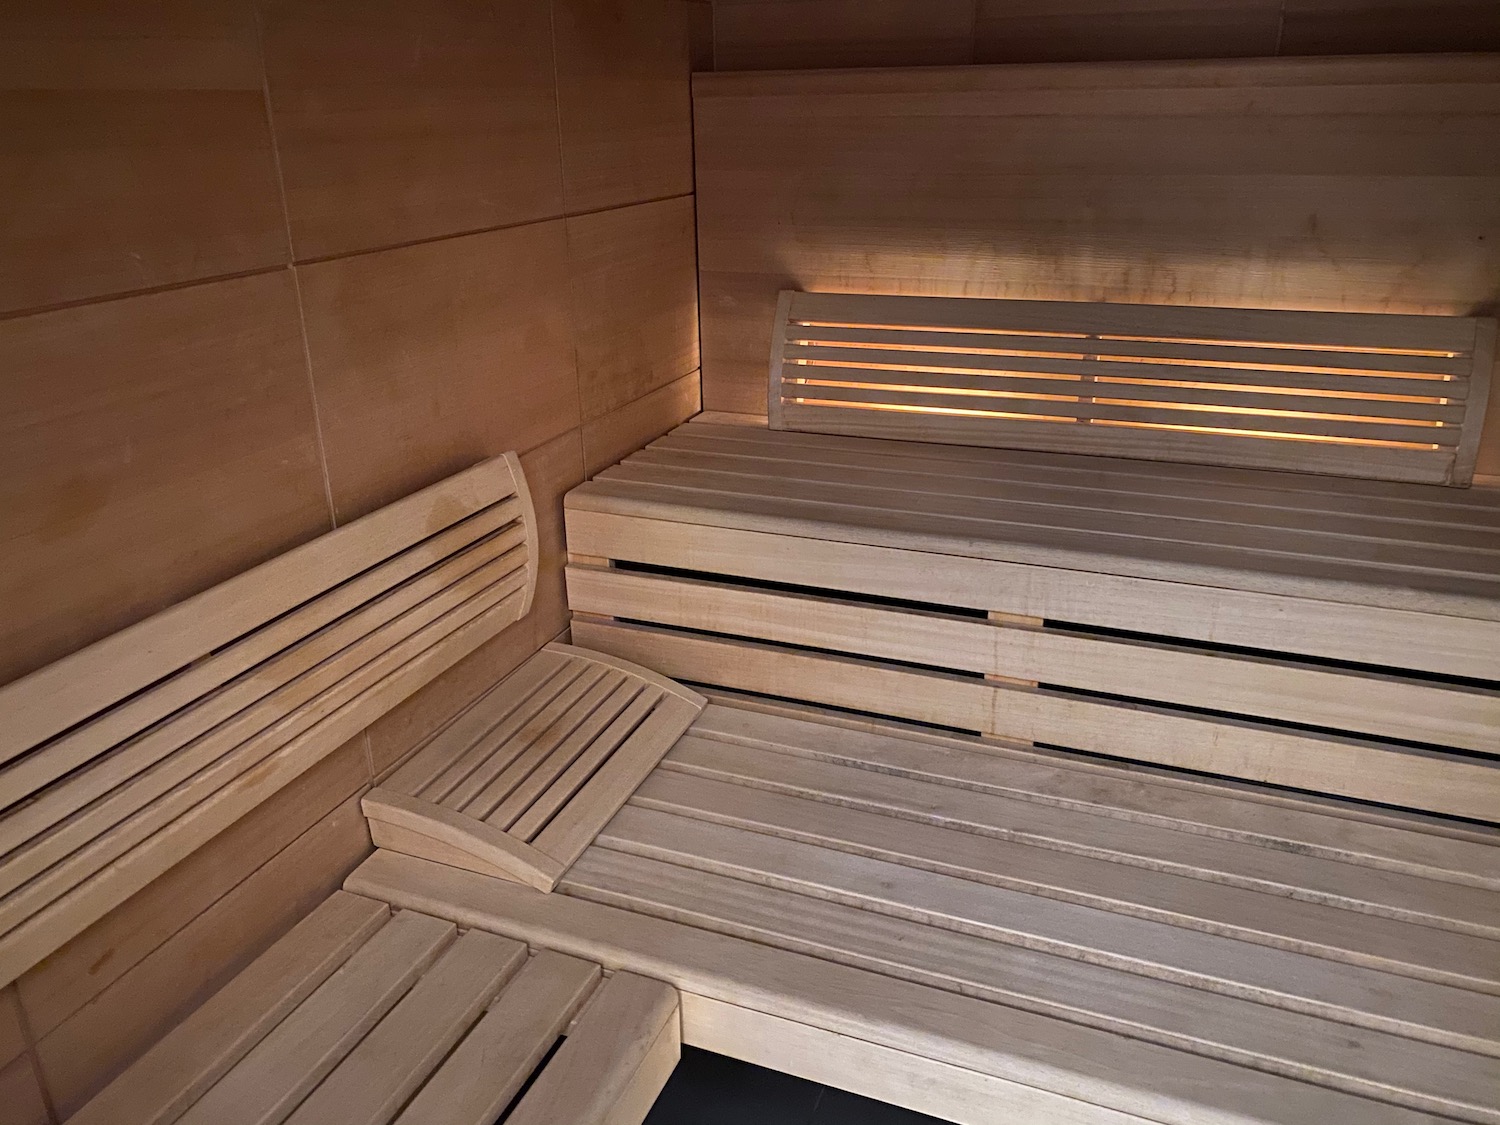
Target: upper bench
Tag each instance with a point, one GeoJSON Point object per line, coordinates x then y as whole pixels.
{"type": "Point", "coordinates": [120, 760]}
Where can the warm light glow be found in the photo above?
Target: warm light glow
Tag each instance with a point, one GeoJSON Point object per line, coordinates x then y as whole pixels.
{"type": "Point", "coordinates": [913, 389]}
{"type": "Point", "coordinates": [1265, 412]}
{"type": "Point", "coordinates": [1281, 344]}
{"type": "Point", "coordinates": [940, 328]}
{"type": "Point", "coordinates": [947, 410]}
{"type": "Point", "coordinates": [1276, 435]}
{"type": "Point", "coordinates": [1255, 388]}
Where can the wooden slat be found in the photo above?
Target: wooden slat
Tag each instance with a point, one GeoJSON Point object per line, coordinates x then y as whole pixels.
{"type": "Point", "coordinates": [551, 739]}
{"type": "Point", "coordinates": [256, 665]}
{"type": "Point", "coordinates": [265, 1086]}
{"type": "Point", "coordinates": [460, 738]}
{"type": "Point", "coordinates": [1373, 1063]}
{"type": "Point", "coordinates": [534, 727]}
{"type": "Point", "coordinates": [615, 1061]}
{"type": "Point", "coordinates": [305, 679]}
{"type": "Point", "coordinates": [539, 785]}
{"type": "Point", "coordinates": [484, 1073]}
{"type": "Point", "coordinates": [43, 931]}
{"type": "Point", "coordinates": [1429, 847]}
{"type": "Point", "coordinates": [71, 690]}
{"type": "Point", "coordinates": [161, 1085]}
{"type": "Point", "coordinates": [1379, 705]}
{"type": "Point", "coordinates": [1462, 909]}
{"type": "Point", "coordinates": [1274, 495]}
{"type": "Point", "coordinates": [1239, 614]}
{"type": "Point", "coordinates": [567, 785]}
{"type": "Point", "coordinates": [127, 815]}
{"type": "Point", "coordinates": [576, 825]}
{"type": "Point", "coordinates": [1450, 784]}
{"type": "Point", "coordinates": [1046, 1069]}
{"type": "Point", "coordinates": [982, 864]}
{"type": "Point", "coordinates": [376, 1078]}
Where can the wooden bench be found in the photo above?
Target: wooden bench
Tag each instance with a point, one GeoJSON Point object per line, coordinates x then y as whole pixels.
{"type": "Point", "coordinates": [1333, 636]}
{"type": "Point", "coordinates": [361, 1017]}
{"type": "Point", "coordinates": [120, 760]}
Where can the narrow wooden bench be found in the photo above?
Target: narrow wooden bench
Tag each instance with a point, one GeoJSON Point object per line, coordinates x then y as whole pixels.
{"type": "Point", "coordinates": [1334, 636]}
{"type": "Point", "coordinates": [120, 760]}
{"type": "Point", "coordinates": [989, 932]}
{"type": "Point", "coordinates": [362, 1017]}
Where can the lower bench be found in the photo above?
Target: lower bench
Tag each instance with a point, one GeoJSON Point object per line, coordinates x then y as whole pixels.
{"type": "Point", "coordinates": [361, 1017]}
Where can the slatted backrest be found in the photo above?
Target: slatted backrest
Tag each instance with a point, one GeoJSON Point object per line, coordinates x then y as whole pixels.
{"type": "Point", "coordinates": [1390, 397]}
{"type": "Point", "coordinates": [118, 761]}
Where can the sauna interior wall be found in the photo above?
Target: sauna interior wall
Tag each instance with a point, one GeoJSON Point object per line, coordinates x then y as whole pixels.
{"type": "Point", "coordinates": [265, 266]}
{"type": "Point", "coordinates": [1362, 184]}
{"type": "Point", "coordinates": [774, 34]}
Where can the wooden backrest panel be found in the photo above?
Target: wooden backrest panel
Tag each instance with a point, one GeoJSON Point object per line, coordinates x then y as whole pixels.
{"type": "Point", "coordinates": [1368, 395]}
{"type": "Point", "coordinates": [119, 760]}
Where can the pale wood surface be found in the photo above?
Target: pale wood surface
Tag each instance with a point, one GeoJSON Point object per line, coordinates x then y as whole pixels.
{"type": "Point", "coordinates": [347, 83]}
{"type": "Point", "coordinates": [634, 301]}
{"type": "Point", "coordinates": [479, 1079]}
{"type": "Point", "coordinates": [360, 1017]}
{"type": "Point", "coordinates": [1029, 1061]}
{"type": "Point", "coordinates": [1141, 182]}
{"type": "Point", "coordinates": [179, 1069]}
{"type": "Point", "coordinates": [623, 106]}
{"type": "Point", "coordinates": [375, 1079]}
{"type": "Point", "coordinates": [519, 784]}
{"type": "Point", "coordinates": [622, 431]}
{"type": "Point", "coordinates": [1174, 615]}
{"type": "Point", "coordinates": [379, 325]}
{"type": "Point", "coordinates": [139, 150]}
{"type": "Point", "coordinates": [1260, 388]}
{"type": "Point", "coordinates": [185, 722]}
{"type": "Point", "coordinates": [615, 1060]}
{"type": "Point", "coordinates": [159, 472]}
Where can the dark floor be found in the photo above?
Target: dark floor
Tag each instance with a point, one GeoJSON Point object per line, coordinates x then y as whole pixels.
{"type": "Point", "coordinates": [708, 1089]}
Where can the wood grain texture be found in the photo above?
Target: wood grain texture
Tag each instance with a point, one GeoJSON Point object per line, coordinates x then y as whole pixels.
{"type": "Point", "coordinates": [1335, 27]}
{"type": "Point", "coordinates": [398, 123]}
{"type": "Point", "coordinates": [168, 438]}
{"type": "Point", "coordinates": [77, 973]}
{"type": "Point", "coordinates": [1011, 31]}
{"type": "Point", "coordinates": [92, 1046]}
{"type": "Point", "coordinates": [635, 301]}
{"type": "Point", "coordinates": [1252, 183]}
{"type": "Point", "coordinates": [21, 1099]}
{"type": "Point", "coordinates": [418, 355]}
{"type": "Point", "coordinates": [12, 1035]}
{"type": "Point", "coordinates": [612, 437]}
{"type": "Point", "coordinates": [794, 34]}
{"type": "Point", "coordinates": [137, 148]}
{"type": "Point", "coordinates": [623, 105]}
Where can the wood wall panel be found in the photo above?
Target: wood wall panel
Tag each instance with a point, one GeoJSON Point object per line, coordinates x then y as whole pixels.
{"type": "Point", "coordinates": [1359, 184]}
{"type": "Point", "coordinates": [432, 357]}
{"type": "Point", "coordinates": [136, 149]}
{"type": "Point", "coordinates": [1070, 30]}
{"type": "Point", "coordinates": [623, 102]}
{"type": "Point", "coordinates": [700, 32]}
{"type": "Point", "coordinates": [609, 439]}
{"type": "Point", "coordinates": [635, 300]}
{"type": "Point", "coordinates": [787, 34]}
{"type": "Point", "coordinates": [805, 34]}
{"type": "Point", "coordinates": [399, 122]}
{"type": "Point", "coordinates": [149, 447]}
{"type": "Point", "coordinates": [1336, 27]}
{"type": "Point", "coordinates": [21, 1100]}
{"type": "Point", "coordinates": [155, 443]}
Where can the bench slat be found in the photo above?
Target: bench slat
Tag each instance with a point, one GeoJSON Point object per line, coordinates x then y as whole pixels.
{"type": "Point", "coordinates": [376, 1078]}
{"type": "Point", "coordinates": [196, 1053]}
{"type": "Point", "coordinates": [481, 1077]}
{"type": "Point", "coordinates": [615, 1061]}
{"type": "Point", "coordinates": [269, 1082]}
